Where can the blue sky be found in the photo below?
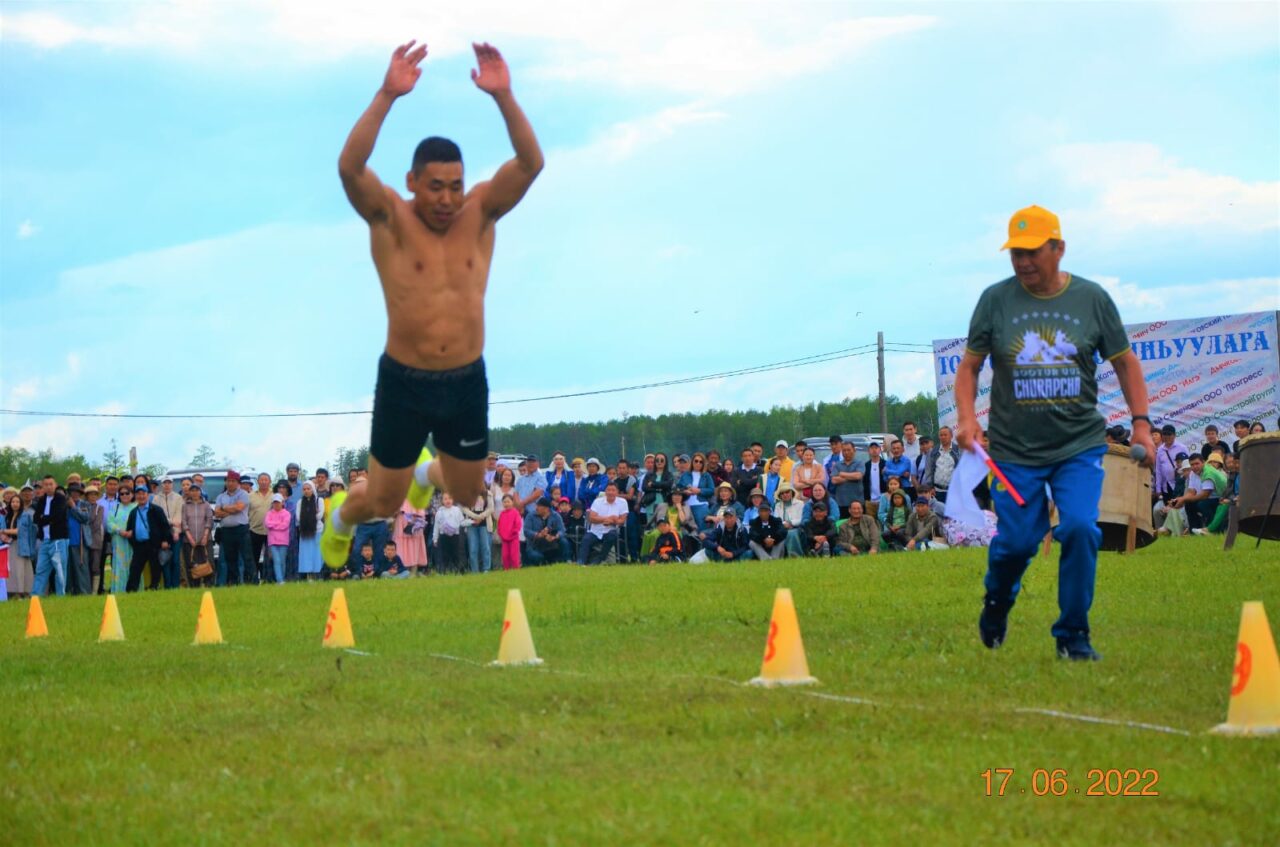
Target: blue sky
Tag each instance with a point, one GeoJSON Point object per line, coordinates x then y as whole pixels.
{"type": "Point", "coordinates": [726, 185]}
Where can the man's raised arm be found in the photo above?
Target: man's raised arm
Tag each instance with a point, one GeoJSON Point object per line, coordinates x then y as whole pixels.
{"type": "Point", "coordinates": [365, 191]}
{"type": "Point", "coordinates": [513, 179]}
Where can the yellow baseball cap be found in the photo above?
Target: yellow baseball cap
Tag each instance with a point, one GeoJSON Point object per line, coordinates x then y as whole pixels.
{"type": "Point", "coordinates": [1031, 227]}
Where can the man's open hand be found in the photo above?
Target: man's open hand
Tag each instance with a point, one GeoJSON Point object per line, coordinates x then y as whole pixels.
{"type": "Point", "coordinates": [404, 71]}
{"type": "Point", "coordinates": [493, 76]}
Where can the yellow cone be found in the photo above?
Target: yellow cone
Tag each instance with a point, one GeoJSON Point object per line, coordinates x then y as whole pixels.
{"type": "Point", "coordinates": [207, 629]}
{"type": "Point", "coordinates": [36, 627]}
{"type": "Point", "coordinates": [784, 662]}
{"type": "Point", "coordinates": [516, 646]}
{"type": "Point", "coordinates": [112, 628]}
{"type": "Point", "coordinates": [337, 630]}
{"type": "Point", "coordinates": [1255, 681]}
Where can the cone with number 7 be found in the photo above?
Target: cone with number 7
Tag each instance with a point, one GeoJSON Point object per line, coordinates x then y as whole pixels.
{"type": "Point", "coordinates": [1255, 682]}
{"type": "Point", "coordinates": [784, 661]}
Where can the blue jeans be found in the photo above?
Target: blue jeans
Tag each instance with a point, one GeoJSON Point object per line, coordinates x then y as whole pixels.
{"type": "Point", "coordinates": [1076, 484]}
{"type": "Point", "coordinates": [479, 548]}
{"type": "Point", "coordinates": [378, 534]}
{"type": "Point", "coordinates": [700, 518]}
{"type": "Point", "coordinates": [51, 557]}
{"type": "Point", "coordinates": [563, 553]}
{"type": "Point", "coordinates": [279, 556]}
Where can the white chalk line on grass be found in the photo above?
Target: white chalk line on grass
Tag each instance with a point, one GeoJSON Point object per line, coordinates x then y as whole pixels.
{"type": "Point", "coordinates": [1154, 727]}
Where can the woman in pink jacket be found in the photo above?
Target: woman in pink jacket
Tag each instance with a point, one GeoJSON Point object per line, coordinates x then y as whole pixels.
{"type": "Point", "coordinates": [277, 520]}
{"type": "Point", "coordinates": [510, 528]}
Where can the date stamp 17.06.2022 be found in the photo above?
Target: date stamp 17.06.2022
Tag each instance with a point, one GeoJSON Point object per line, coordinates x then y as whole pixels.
{"type": "Point", "coordinates": [1056, 782]}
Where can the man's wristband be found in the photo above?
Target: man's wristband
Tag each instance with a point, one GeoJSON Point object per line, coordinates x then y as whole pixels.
{"type": "Point", "coordinates": [1137, 418]}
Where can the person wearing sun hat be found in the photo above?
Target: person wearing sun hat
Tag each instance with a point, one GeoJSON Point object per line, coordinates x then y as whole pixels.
{"type": "Point", "coordinates": [1045, 330]}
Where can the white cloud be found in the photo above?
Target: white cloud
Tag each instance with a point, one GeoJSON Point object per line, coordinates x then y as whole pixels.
{"type": "Point", "coordinates": [621, 140]}
{"type": "Point", "coordinates": [1226, 29]}
{"type": "Point", "coordinates": [27, 229]}
{"type": "Point", "coordinates": [42, 388]}
{"type": "Point", "coordinates": [1192, 299]}
{"type": "Point", "coordinates": [1138, 187]}
{"type": "Point", "coordinates": [694, 47]}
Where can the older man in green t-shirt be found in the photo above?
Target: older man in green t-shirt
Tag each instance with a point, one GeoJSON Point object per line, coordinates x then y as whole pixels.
{"type": "Point", "coordinates": [1045, 331]}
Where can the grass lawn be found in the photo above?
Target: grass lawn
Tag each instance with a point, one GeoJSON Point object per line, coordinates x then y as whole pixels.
{"type": "Point", "coordinates": [635, 730]}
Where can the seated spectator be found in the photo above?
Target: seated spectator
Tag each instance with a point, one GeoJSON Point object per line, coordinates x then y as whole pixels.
{"type": "Point", "coordinates": [392, 565]}
{"type": "Point", "coordinates": [574, 517]}
{"type": "Point", "coordinates": [680, 516]}
{"type": "Point", "coordinates": [605, 520]}
{"type": "Point", "coordinates": [895, 525]}
{"type": "Point", "coordinates": [1204, 491]}
{"type": "Point", "coordinates": [922, 526]}
{"type": "Point", "coordinates": [882, 513]}
{"type": "Point", "coordinates": [725, 498]}
{"type": "Point", "coordinates": [820, 531]}
{"type": "Point", "coordinates": [806, 474]}
{"type": "Point", "coordinates": [728, 542]}
{"type": "Point", "coordinates": [819, 494]}
{"type": "Point", "coordinates": [669, 546]}
{"type": "Point", "coordinates": [366, 567]}
{"type": "Point", "coordinates": [593, 486]}
{"type": "Point", "coordinates": [1166, 517]}
{"type": "Point", "coordinates": [766, 535]}
{"type": "Point", "coordinates": [545, 543]}
{"type": "Point", "coordinates": [1241, 429]}
{"type": "Point", "coordinates": [790, 511]}
{"type": "Point", "coordinates": [860, 533]}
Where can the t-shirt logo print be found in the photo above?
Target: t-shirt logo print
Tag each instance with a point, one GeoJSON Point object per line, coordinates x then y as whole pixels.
{"type": "Point", "coordinates": [1045, 370]}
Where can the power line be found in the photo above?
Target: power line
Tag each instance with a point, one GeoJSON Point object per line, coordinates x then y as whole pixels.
{"type": "Point", "coordinates": [786, 364]}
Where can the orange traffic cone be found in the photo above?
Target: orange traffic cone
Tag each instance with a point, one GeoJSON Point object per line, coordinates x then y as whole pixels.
{"type": "Point", "coordinates": [36, 627]}
{"type": "Point", "coordinates": [1255, 689]}
{"type": "Point", "coordinates": [112, 629]}
{"type": "Point", "coordinates": [516, 644]}
{"type": "Point", "coordinates": [337, 631]}
{"type": "Point", "coordinates": [784, 661]}
{"type": "Point", "coordinates": [207, 629]}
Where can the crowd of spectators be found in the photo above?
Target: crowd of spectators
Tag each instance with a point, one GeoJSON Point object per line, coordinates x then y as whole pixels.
{"type": "Point", "coordinates": [107, 535]}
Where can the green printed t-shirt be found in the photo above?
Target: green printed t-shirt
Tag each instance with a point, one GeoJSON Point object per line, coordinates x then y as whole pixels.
{"type": "Point", "coordinates": [1217, 478]}
{"type": "Point", "coordinates": [1044, 394]}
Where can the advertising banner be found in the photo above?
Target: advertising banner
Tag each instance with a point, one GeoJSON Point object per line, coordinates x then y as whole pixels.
{"type": "Point", "coordinates": [1199, 371]}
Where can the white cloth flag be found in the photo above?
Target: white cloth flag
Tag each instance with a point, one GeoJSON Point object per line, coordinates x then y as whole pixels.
{"type": "Point", "coordinates": [962, 506]}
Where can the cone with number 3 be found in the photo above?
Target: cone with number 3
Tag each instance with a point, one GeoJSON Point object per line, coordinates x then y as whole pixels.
{"type": "Point", "coordinates": [784, 661]}
{"type": "Point", "coordinates": [1255, 681]}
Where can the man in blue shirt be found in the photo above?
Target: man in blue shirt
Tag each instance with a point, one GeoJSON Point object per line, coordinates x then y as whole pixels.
{"type": "Point", "coordinates": [531, 487]}
{"type": "Point", "coordinates": [232, 510]}
{"type": "Point", "coordinates": [900, 466]}
{"type": "Point", "coordinates": [544, 538]}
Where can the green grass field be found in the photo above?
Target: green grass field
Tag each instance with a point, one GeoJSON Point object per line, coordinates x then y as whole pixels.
{"type": "Point", "coordinates": [635, 730]}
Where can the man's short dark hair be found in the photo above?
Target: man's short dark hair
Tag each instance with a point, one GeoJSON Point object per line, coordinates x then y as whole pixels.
{"type": "Point", "coordinates": [388, 543]}
{"type": "Point", "coordinates": [49, 476]}
{"type": "Point", "coordinates": [322, 471]}
{"type": "Point", "coordinates": [834, 439]}
{"type": "Point", "coordinates": [1242, 422]}
{"type": "Point", "coordinates": [435, 149]}
{"type": "Point", "coordinates": [906, 424]}
{"type": "Point", "coordinates": [757, 444]}
{"type": "Point", "coordinates": [1210, 428]}
{"type": "Point", "coordinates": [368, 544]}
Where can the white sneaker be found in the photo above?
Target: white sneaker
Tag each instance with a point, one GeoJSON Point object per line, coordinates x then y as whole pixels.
{"type": "Point", "coordinates": [1199, 532]}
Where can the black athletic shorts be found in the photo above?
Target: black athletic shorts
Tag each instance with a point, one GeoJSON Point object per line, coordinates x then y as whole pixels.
{"type": "Point", "coordinates": [411, 404]}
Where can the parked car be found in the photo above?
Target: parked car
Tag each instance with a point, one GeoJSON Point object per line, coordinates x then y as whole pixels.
{"type": "Point", "coordinates": [861, 443]}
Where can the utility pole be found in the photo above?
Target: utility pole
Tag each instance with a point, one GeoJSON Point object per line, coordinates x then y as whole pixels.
{"type": "Point", "coordinates": [884, 413]}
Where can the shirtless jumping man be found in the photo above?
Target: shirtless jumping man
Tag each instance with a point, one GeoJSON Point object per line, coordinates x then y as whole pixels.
{"type": "Point", "coordinates": [432, 254]}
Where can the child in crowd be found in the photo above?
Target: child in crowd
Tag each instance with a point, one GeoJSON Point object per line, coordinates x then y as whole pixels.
{"type": "Point", "coordinates": [392, 566]}
{"type": "Point", "coordinates": [448, 535]}
{"type": "Point", "coordinates": [510, 528]}
{"type": "Point", "coordinates": [668, 547]}
{"type": "Point", "coordinates": [366, 568]}
{"type": "Point", "coordinates": [278, 520]}
{"type": "Point", "coordinates": [575, 522]}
